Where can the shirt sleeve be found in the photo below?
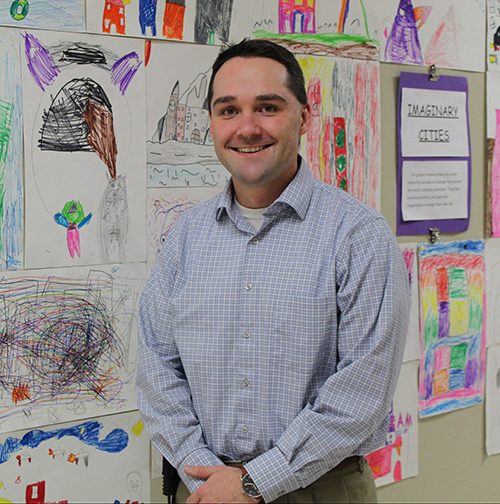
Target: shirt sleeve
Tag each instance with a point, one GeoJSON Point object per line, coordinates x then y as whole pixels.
{"type": "Point", "coordinates": [163, 393]}
{"type": "Point", "coordinates": [373, 306]}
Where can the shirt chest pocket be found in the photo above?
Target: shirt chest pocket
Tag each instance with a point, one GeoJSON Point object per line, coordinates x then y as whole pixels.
{"type": "Point", "coordinates": [303, 332]}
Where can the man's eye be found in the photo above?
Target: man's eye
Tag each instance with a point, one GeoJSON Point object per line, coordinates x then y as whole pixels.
{"type": "Point", "coordinates": [269, 109]}
{"type": "Point", "coordinates": [229, 111]}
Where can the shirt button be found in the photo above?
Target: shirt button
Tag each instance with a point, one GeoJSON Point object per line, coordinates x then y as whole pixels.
{"type": "Point", "coordinates": [244, 429]}
{"type": "Point", "coordinates": [245, 382]}
{"type": "Point", "coordinates": [248, 286]}
{"type": "Point", "coordinates": [246, 334]}
{"type": "Point", "coordinates": [255, 241]}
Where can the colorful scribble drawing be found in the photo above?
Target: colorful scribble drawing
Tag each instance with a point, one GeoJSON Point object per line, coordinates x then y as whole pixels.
{"type": "Point", "coordinates": [452, 327]}
{"type": "Point", "coordinates": [65, 345]}
{"type": "Point", "coordinates": [73, 218]}
{"type": "Point", "coordinates": [342, 147]}
{"type": "Point", "coordinates": [66, 15]}
{"type": "Point", "coordinates": [297, 28]}
{"type": "Point", "coordinates": [80, 119]}
{"type": "Point", "coordinates": [213, 21]}
{"type": "Point", "coordinates": [11, 177]}
{"type": "Point", "coordinates": [55, 463]}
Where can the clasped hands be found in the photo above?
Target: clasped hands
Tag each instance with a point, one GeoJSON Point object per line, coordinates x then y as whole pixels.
{"type": "Point", "coordinates": [222, 485]}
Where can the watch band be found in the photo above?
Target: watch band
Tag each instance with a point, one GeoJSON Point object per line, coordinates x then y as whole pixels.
{"type": "Point", "coordinates": [248, 487]}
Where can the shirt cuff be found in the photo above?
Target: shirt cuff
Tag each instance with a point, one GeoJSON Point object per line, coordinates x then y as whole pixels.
{"type": "Point", "coordinates": [272, 474]}
{"type": "Point", "coordinates": [202, 457]}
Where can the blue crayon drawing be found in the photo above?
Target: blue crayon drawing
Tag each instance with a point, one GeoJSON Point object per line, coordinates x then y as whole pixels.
{"type": "Point", "coordinates": [87, 432]}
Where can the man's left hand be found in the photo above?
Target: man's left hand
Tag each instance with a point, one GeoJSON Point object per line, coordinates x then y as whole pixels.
{"type": "Point", "coordinates": [223, 484]}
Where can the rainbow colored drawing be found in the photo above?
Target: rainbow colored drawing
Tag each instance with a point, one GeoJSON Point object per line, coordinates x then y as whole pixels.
{"type": "Point", "coordinates": [453, 344]}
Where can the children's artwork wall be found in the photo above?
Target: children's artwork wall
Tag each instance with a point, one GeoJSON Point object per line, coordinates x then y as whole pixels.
{"type": "Point", "coordinates": [453, 333]}
{"type": "Point", "coordinates": [102, 460]}
{"type": "Point", "coordinates": [105, 142]}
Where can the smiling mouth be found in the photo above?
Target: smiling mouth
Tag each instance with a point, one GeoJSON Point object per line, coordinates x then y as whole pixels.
{"type": "Point", "coordinates": [251, 150]}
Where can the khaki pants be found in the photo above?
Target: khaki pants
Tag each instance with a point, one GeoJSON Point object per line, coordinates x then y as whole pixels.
{"type": "Point", "coordinates": [350, 484]}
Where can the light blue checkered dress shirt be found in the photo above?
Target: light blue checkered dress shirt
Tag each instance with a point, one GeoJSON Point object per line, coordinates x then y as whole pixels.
{"type": "Point", "coordinates": [282, 346]}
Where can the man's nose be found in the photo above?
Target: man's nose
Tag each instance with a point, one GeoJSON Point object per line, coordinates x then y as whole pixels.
{"type": "Point", "coordinates": [249, 125]}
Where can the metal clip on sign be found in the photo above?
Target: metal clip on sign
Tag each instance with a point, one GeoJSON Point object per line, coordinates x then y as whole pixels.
{"type": "Point", "coordinates": [434, 235]}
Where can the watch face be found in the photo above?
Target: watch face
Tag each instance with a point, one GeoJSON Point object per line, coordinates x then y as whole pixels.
{"type": "Point", "coordinates": [249, 487]}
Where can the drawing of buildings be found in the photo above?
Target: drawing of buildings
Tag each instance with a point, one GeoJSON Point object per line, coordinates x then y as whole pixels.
{"type": "Point", "coordinates": [186, 119]}
{"type": "Point", "coordinates": [297, 16]}
{"type": "Point", "coordinates": [114, 15]}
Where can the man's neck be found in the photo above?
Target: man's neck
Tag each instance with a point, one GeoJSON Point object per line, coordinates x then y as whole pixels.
{"type": "Point", "coordinates": [260, 197]}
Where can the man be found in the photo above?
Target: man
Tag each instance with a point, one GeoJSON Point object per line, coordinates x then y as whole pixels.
{"type": "Point", "coordinates": [273, 325]}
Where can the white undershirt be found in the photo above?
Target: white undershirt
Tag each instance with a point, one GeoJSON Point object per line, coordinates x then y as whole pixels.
{"type": "Point", "coordinates": [253, 215]}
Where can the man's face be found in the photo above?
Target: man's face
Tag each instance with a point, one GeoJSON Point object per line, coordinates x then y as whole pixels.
{"type": "Point", "coordinates": [256, 123]}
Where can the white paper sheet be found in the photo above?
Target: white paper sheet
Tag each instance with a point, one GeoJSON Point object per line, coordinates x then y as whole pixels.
{"type": "Point", "coordinates": [84, 124]}
{"type": "Point", "coordinates": [11, 152]}
{"type": "Point", "coordinates": [434, 123]}
{"type": "Point", "coordinates": [398, 459]}
{"type": "Point", "coordinates": [69, 343]}
{"type": "Point", "coordinates": [492, 281]}
{"type": "Point", "coordinates": [180, 150]}
{"type": "Point", "coordinates": [412, 349]}
{"type": "Point", "coordinates": [493, 400]}
{"type": "Point", "coordinates": [66, 15]}
{"type": "Point", "coordinates": [434, 190]}
{"type": "Point", "coordinates": [165, 206]}
{"type": "Point", "coordinates": [102, 460]}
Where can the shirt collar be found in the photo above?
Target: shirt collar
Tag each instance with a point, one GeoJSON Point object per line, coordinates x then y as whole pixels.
{"type": "Point", "coordinates": [297, 195]}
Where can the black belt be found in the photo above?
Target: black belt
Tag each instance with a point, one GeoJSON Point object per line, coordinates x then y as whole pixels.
{"type": "Point", "coordinates": [354, 460]}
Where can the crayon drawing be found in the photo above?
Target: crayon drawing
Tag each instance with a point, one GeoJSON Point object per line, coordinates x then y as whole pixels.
{"type": "Point", "coordinates": [65, 15]}
{"type": "Point", "coordinates": [165, 206]}
{"type": "Point", "coordinates": [493, 154]}
{"type": "Point", "coordinates": [180, 149]}
{"type": "Point", "coordinates": [146, 18]}
{"type": "Point", "coordinates": [65, 463]}
{"type": "Point", "coordinates": [11, 153]}
{"type": "Point", "coordinates": [84, 102]}
{"type": "Point", "coordinates": [308, 26]}
{"type": "Point", "coordinates": [200, 21]}
{"type": "Point", "coordinates": [446, 33]}
{"type": "Point", "coordinates": [67, 344]}
{"type": "Point", "coordinates": [493, 35]}
{"type": "Point", "coordinates": [342, 146]}
{"type": "Point", "coordinates": [398, 458]}
{"type": "Point", "coordinates": [493, 400]}
{"type": "Point", "coordinates": [412, 349]}
{"type": "Point", "coordinates": [452, 326]}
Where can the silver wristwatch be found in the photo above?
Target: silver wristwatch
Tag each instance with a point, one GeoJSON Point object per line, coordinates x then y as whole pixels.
{"type": "Point", "coordinates": [248, 487]}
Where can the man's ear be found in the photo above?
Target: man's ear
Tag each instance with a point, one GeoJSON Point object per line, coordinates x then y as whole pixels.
{"type": "Point", "coordinates": [305, 118]}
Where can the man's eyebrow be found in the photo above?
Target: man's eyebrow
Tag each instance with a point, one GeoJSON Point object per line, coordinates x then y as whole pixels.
{"type": "Point", "coordinates": [271, 97]}
{"type": "Point", "coordinates": [224, 99]}
{"type": "Point", "coordinates": [259, 98]}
